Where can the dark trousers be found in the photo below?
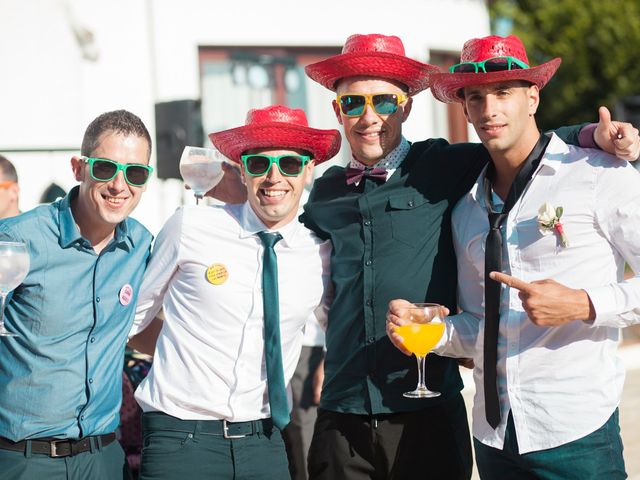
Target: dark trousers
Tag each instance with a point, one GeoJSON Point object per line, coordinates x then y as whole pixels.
{"type": "Point", "coordinates": [103, 463]}
{"type": "Point", "coordinates": [598, 456]}
{"type": "Point", "coordinates": [432, 443]}
{"type": "Point", "coordinates": [297, 435]}
{"type": "Point", "coordinates": [191, 449]}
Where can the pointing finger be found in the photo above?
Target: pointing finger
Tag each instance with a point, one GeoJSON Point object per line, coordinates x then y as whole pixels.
{"type": "Point", "coordinates": [510, 281]}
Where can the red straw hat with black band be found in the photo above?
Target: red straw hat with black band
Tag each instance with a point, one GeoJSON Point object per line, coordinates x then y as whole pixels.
{"type": "Point", "coordinates": [447, 87]}
{"type": "Point", "coordinates": [373, 55]}
{"type": "Point", "coordinates": [277, 126]}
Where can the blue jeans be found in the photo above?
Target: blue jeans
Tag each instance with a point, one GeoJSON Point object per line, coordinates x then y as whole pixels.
{"type": "Point", "coordinates": [598, 456]}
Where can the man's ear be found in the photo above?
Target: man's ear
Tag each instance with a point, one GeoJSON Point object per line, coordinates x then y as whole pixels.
{"type": "Point", "coordinates": [406, 110]}
{"type": "Point", "coordinates": [336, 110]}
{"type": "Point", "coordinates": [15, 191]}
{"type": "Point", "coordinates": [466, 113]}
{"type": "Point", "coordinates": [308, 168]}
{"type": "Point", "coordinates": [533, 95]}
{"type": "Point", "coordinates": [77, 167]}
{"type": "Point", "coordinates": [243, 173]}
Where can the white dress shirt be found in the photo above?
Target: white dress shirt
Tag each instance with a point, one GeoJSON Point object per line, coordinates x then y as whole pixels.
{"type": "Point", "coordinates": [560, 383]}
{"type": "Point", "coordinates": [209, 360]}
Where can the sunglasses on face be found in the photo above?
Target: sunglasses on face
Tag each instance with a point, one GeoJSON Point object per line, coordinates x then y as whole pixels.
{"type": "Point", "coordinates": [104, 170]}
{"type": "Point", "coordinates": [495, 64]}
{"type": "Point", "coordinates": [257, 165]}
{"type": "Point", "coordinates": [354, 105]}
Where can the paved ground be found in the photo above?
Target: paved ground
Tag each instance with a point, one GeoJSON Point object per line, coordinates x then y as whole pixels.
{"type": "Point", "coordinates": [629, 408]}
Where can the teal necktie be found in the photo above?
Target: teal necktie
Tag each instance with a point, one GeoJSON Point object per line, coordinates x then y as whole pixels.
{"type": "Point", "coordinates": [272, 347]}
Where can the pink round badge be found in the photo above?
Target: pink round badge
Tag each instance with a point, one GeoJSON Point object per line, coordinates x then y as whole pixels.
{"type": "Point", "coordinates": [126, 293]}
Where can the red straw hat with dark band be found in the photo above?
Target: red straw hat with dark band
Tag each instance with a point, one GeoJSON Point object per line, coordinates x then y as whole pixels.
{"type": "Point", "coordinates": [446, 87]}
{"type": "Point", "coordinates": [373, 55]}
{"type": "Point", "coordinates": [277, 126]}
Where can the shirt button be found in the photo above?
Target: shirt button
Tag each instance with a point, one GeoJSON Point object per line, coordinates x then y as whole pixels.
{"type": "Point", "coordinates": [410, 203]}
{"type": "Point", "coordinates": [370, 340]}
{"type": "Point", "coordinates": [368, 302]}
{"type": "Point", "coordinates": [368, 262]}
{"type": "Point", "coordinates": [93, 339]}
{"type": "Point", "coordinates": [91, 380]}
{"type": "Point", "coordinates": [81, 417]}
{"type": "Point", "coordinates": [367, 223]}
{"type": "Point", "coordinates": [98, 299]}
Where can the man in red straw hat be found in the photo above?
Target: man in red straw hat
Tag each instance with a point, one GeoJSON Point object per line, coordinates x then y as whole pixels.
{"type": "Point", "coordinates": [388, 216]}
{"type": "Point", "coordinates": [237, 284]}
{"type": "Point", "coordinates": [563, 220]}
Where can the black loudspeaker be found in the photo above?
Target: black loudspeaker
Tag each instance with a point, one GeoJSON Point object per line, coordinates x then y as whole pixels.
{"type": "Point", "coordinates": [628, 110]}
{"type": "Point", "coordinates": [178, 124]}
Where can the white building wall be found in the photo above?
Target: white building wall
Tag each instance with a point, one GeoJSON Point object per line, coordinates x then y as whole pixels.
{"type": "Point", "coordinates": [147, 51]}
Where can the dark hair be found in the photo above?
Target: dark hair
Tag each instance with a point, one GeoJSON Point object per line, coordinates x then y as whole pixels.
{"type": "Point", "coordinates": [8, 170]}
{"type": "Point", "coordinates": [118, 121]}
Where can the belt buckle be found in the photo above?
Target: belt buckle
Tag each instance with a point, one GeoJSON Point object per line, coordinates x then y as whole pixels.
{"type": "Point", "coordinates": [53, 448]}
{"type": "Point", "coordinates": [225, 431]}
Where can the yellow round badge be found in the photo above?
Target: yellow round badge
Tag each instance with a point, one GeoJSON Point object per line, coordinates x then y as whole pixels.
{"type": "Point", "coordinates": [217, 274]}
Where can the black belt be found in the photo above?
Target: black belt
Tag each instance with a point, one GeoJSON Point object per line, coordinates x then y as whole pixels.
{"type": "Point", "coordinates": [56, 447]}
{"type": "Point", "coordinates": [231, 430]}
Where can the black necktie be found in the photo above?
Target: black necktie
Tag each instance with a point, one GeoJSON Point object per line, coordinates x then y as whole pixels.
{"type": "Point", "coordinates": [272, 347]}
{"type": "Point", "coordinates": [493, 263]}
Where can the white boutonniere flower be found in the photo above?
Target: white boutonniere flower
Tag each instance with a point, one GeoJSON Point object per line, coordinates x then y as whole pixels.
{"type": "Point", "coordinates": [549, 222]}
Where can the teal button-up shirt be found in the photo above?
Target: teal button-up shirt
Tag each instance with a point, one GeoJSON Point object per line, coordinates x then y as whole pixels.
{"type": "Point", "coordinates": [390, 240]}
{"type": "Point", "coordinates": [61, 376]}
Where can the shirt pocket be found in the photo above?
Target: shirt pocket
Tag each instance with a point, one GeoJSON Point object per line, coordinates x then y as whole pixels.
{"type": "Point", "coordinates": [413, 217]}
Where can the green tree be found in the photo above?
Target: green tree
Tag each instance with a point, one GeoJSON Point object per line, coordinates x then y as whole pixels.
{"type": "Point", "coordinates": [599, 43]}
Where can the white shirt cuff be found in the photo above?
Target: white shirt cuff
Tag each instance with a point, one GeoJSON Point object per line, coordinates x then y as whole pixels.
{"type": "Point", "coordinates": [604, 304]}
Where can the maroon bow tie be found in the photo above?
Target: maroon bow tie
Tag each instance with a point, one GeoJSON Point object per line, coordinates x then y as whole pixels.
{"type": "Point", "coordinates": [354, 175]}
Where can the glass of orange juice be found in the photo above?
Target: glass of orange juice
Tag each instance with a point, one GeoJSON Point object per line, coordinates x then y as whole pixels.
{"type": "Point", "coordinates": [422, 329]}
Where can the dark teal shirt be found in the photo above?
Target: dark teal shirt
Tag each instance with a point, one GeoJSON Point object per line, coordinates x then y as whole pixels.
{"type": "Point", "coordinates": [61, 376]}
{"type": "Point", "coordinates": [390, 240]}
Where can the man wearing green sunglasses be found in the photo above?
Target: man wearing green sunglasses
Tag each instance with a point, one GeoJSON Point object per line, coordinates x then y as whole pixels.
{"type": "Point", "coordinates": [60, 376]}
{"type": "Point", "coordinates": [388, 215]}
{"type": "Point", "coordinates": [215, 402]}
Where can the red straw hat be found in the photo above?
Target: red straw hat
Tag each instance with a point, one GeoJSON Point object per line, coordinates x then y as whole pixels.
{"type": "Point", "coordinates": [373, 55]}
{"type": "Point", "coordinates": [446, 86]}
{"type": "Point", "coordinates": [277, 126]}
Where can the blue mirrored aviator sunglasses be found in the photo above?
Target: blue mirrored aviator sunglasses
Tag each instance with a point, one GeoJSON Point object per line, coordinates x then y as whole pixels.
{"type": "Point", "coordinates": [353, 104]}
{"type": "Point", "coordinates": [289, 165]}
{"type": "Point", "coordinates": [495, 64]}
{"type": "Point", "coordinates": [104, 170]}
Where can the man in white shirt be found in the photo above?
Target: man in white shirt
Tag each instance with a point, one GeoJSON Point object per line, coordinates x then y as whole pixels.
{"type": "Point", "coordinates": [565, 220]}
{"type": "Point", "coordinates": [210, 398]}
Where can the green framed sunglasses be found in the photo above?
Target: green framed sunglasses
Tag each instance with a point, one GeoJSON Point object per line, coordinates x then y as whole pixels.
{"type": "Point", "coordinates": [289, 165]}
{"type": "Point", "coordinates": [104, 170]}
{"type": "Point", "coordinates": [494, 64]}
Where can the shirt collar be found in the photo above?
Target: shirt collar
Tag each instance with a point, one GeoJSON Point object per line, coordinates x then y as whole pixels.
{"type": "Point", "coordinates": [250, 225]}
{"type": "Point", "coordinates": [69, 232]}
{"type": "Point", "coordinates": [391, 162]}
{"type": "Point", "coordinates": [550, 163]}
